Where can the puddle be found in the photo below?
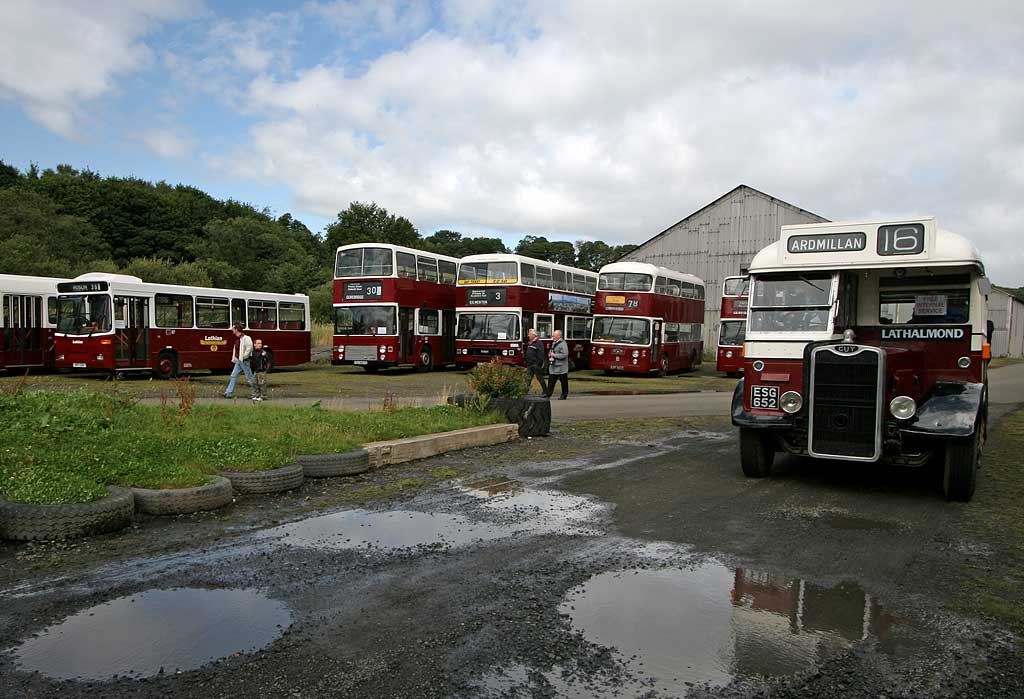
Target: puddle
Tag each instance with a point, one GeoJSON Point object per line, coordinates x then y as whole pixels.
{"type": "Point", "coordinates": [154, 632]}
{"type": "Point", "coordinates": [712, 624]}
{"type": "Point", "coordinates": [505, 510]}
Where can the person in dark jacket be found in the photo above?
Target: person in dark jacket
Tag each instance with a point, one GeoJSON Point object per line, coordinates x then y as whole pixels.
{"type": "Point", "coordinates": [558, 359]}
{"type": "Point", "coordinates": [536, 362]}
{"type": "Point", "coordinates": [259, 362]}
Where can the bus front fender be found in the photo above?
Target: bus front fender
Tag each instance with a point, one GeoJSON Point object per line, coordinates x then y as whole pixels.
{"type": "Point", "coordinates": [951, 410]}
{"type": "Point", "coordinates": [741, 418]}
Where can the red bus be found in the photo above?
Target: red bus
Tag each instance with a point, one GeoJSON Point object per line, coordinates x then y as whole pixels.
{"type": "Point", "coordinates": [118, 323]}
{"type": "Point", "coordinates": [501, 296]}
{"type": "Point", "coordinates": [648, 319]}
{"type": "Point", "coordinates": [733, 325]}
{"type": "Point", "coordinates": [28, 312]}
{"type": "Point", "coordinates": [393, 306]}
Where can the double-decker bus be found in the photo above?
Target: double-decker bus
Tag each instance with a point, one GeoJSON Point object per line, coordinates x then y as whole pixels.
{"type": "Point", "coordinates": [118, 323]}
{"type": "Point", "coordinates": [501, 296]}
{"type": "Point", "coordinates": [28, 314]}
{"type": "Point", "coordinates": [867, 341]}
{"type": "Point", "coordinates": [393, 306]}
{"type": "Point", "coordinates": [648, 319]}
{"type": "Point", "coordinates": [732, 325]}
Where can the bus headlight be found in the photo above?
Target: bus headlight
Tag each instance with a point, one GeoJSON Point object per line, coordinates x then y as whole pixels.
{"type": "Point", "coordinates": [728, 354]}
{"type": "Point", "coordinates": [902, 407]}
{"type": "Point", "coordinates": [382, 348]}
{"type": "Point", "coordinates": [636, 353]}
{"type": "Point", "coordinates": [600, 351]}
{"type": "Point", "coordinates": [504, 353]}
{"type": "Point", "coordinates": [791, 402]}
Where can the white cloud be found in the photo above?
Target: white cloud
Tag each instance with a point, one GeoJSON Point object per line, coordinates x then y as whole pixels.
{"type": "Point", "coordinates": [166, 142]}
{"type": "Point", "coordinates": [613, 120]}
{"type": "Point", "coordinates": [365, 21]}
{"type": "Point", "coordinates": [54, 56]}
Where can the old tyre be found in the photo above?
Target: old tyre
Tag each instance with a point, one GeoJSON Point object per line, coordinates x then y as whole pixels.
{"type": "Point", "coordinates": [960, 470]}
{"type": "Point", "coordinates": [22, 522]}
{"type": "Point", "coordinates": [349, 463]}
{"type": "Point", "coordinates": [425, 361]}
{"type": "Point", "coordinates": [166, 365]}
{"type": "Point", "coordinates": [274, 481]}
{"type": "Point", "coordinates": [756, 456]}
{"type": "Point", "coordinates": [178, 501]}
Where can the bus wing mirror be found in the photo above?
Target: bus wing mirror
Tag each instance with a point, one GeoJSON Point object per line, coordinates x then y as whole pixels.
{"type": "Point", "coordinates": [990, 328]}
{"type": "Point", "coordinates": [985, 286]}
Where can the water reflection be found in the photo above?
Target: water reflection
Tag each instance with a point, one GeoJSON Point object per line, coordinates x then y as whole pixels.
{"type": "Point", "coordinates": [154, 632]}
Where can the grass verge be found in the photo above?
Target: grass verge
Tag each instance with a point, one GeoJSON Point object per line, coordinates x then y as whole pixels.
{"type": "Point", "coordinates": [65, 447]}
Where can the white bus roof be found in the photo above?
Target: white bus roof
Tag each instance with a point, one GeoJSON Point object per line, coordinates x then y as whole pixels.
{"type": "Point", "coordinates": [124, 282]}
{"type": "Point", "coordinates": [397, 248]}
{"type": "Point", "coordinates": [16, 283]}
{"type": "Point", "coordinates": [512, 257]}
{"type": "Point", "coordinates": [653, 270]}
{"type": "Point", "coordinates": [916, 242]}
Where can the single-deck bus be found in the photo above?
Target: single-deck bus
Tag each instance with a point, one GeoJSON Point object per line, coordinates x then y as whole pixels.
{"type": "Point", "coordinates": [501, 296]}
{"type": "Point", "coordinates": [732, 325]}
{"type": "Point", "coordinates": [28, 312]}
{"type": "Point", "coordinates": [393, 306]}
{"type": "Point", "coordinates": [118, 323]}
{"type": "Point", "coordinates": [648, 319]}
{"type": "Point", "coordinates": [867, 341]}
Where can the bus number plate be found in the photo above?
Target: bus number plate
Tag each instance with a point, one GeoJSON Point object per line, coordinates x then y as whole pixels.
{"type": "Point", "coordinates": [78, 365]}
{"type": "Point", "coordinates": [361, 363]}
{"type": "Point", "coordinates": [764, 397]}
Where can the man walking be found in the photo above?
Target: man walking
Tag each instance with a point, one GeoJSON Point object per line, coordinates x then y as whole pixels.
{"type": "Point", "coordinates": [240, 358]}
{"type": "Point", "coordinates": [558, 359]}
{"type": "Point", "coordinates": [535, 361]}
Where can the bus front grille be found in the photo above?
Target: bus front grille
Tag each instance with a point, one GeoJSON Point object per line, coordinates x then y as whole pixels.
{"type": "Point", "coordinates": [361, 353]}
{"type": "Point", "coordinates": [845, 402]}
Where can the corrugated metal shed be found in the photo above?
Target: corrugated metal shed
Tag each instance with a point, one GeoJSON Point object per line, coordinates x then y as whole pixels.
{"type": "Point", "coordinates": [1006, 312]}
{"type": "Point", "coordinates": [719, 240]}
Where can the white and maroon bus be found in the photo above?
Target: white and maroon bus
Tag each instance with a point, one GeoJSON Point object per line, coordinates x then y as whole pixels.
{"type": "Point", "coordinates": [118, 323]}
{"type": "Point", "coordinates": [28, 312]}
{"type": "Point", "coordinates": [648, 319]}
{"type": "Point", "coordinates": [732, 325]}
{"type": "Point", "coordinates": [393, 306]}
{"type": "Point", "coordinates": [867, 341]}
{"type": "Point", "coordinates": [501, 296]}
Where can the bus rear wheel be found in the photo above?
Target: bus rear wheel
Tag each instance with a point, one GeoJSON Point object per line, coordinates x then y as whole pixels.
{"type": "Point", "coordinates": [756, 456]}
{"type": "Point", "coordinates": [166, 365]}
{"type": "Point", "coordinates": [960, 470]}
{"type": "Point", "coordinates": [270, 360]}
{"type": "Point", "coordinates": [426, 360]}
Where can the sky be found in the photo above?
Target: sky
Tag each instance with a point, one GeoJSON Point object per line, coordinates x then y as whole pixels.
{"type": "Point", "coordinates": [584, 120]}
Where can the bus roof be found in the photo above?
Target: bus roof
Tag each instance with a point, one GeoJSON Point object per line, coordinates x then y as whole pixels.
{"type": "Point", "coordinates": [512, 257]}
{"type": "Point", "coordinates": [653, 270]}
{"type": "Point", "coordinates": [37, 285]}
{"type": "Point", "coordinates": [916, 242]}
{"type": "Point", "coordinates": [397, 248]}
{"type": "Point", "coordinates": [130, 283]}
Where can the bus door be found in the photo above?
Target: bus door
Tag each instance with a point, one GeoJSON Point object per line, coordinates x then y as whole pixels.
{"type": "Point", "coordinates": [406, 342]}
{"type": "Point", "coordinates": [655, 342]}
{"type": "Point", "coordinates": [448, 335]}
{"type": "Point", "coordinates": [23, 331]}
{"type": "Point", "coordinates": [131, 331]}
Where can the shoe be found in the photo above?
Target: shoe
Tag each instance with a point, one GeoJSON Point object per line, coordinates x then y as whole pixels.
{"type": "Point", "coordinates": [562, 397]}
{"type": "Point", "coordinates": [226, 396]}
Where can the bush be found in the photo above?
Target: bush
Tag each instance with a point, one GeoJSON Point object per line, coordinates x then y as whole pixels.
{"type": "Point", "coordinates": [497, 380]}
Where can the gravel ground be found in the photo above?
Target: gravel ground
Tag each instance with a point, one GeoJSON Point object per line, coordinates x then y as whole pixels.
{"type": "Point", "coordinates": [480, 573]}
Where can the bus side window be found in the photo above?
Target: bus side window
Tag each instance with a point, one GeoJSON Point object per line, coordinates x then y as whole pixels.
{"type": "Point", "coordinates": [446, 270]}
{"type": "Point", "coordinates": [527, 274]}
{"type": "Point", "coordinates": [292, 316]}
{"type": "Point", "coordinates": [173, 311]}
{"type": "Point", "coordinates": [558, 279]}
{"type": "Point", "coordinates": [406, 265]}
{"type": "Point", "coordinates": [426, 269]}
{"type": "Point", "coordinates": [591, 285]}
{"type": "Point", "coordinates": [544, 277]}
{"type": "Point", "coordinates": [672, 332]}
{"type": "Point", "coordinates": [212, 313]}
{"type": "Point", "coordinates": [238, 311]}
{"type": "Point", "coordinates": [51, 309]}
{"type": "Point", "coordinates": [262, 315]}
{"type": "Point", "coordinates": [544, 324]}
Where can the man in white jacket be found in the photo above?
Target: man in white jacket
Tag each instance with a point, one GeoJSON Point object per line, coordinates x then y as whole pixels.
{"type": "Point", "coordinates": [240, 358]}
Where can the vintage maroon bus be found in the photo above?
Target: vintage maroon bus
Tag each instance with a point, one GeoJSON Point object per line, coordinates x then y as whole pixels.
{"type": "Point", "coordinates": [28, 312]}
{"type": "Point", "coordinates": [867, 341]}
{"type": "Point", "coordinates": [120, 324]}
{"type": "Point", "coordinates": [648, 319]}
{"type": "Point", "coordinates": [393, 306]}
{"type": "Point", "coordinates": [501, 296]}
{"type": "Point", "coordinates": [732, 325]}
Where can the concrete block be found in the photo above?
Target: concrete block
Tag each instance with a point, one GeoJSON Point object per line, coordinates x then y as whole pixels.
{"type": "Point", "coordinates": [396, 451]}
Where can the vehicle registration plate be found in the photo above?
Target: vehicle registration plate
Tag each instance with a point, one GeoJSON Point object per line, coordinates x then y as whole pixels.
{"type": "Point", "coordinates": [360, 362]}
{"type": "Point", "coordinates": [78, 365]}
{"type": "Point", "coordinates": [617, 366]}
{"type": "Point", "coordinates": [764, 397]}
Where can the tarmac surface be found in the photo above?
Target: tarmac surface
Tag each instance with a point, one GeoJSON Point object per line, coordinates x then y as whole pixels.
{"type": "Point", "coordinates": [630, 561]}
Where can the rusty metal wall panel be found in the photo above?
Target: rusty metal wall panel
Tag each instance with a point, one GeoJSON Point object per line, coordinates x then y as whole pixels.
{"type": "Point", "coordinates": [719, 242]}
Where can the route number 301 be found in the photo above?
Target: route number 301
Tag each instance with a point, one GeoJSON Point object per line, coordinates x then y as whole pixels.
{"type": "Point", "coordinates": [906, 239]}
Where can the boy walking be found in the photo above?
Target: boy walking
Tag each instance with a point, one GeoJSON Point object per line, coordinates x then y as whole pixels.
{"type": "Point", "coordinates": [259, 362]}
{"type": "Point", "coordinates": [240, 358]}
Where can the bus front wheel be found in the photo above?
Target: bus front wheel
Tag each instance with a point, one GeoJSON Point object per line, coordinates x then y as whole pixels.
{"type": "Point", "coordinates": [756, 456]}
{"type": "Point", "coordinates": [426, 360]}
{"type": "Point", "coordinates": [960, 470]}
{"type": "Point", "coordinates": [166, 365]}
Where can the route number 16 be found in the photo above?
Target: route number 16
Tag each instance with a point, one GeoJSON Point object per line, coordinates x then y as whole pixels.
{"type": "Point", "coordinates": [906, 239]}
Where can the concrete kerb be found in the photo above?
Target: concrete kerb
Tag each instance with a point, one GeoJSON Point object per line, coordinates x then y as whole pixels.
{"type": "Point", "coordinates": [396, 451]}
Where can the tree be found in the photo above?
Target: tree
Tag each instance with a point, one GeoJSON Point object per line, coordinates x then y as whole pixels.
{"type": "Point", "coordinates": [155, 270]}
{"type": "Point", "coordinates": [594, 254]}
{"type": "Point", "coordinates": [9, 175]}
{"type": "Point", "coordinates": [541, 248]}
{"type": "Point", "coordinates": [369, 223]}
{"type": "Point", "coordinates": [38, 240]}
{"type": "Point", "coordinates": [454, 244]}
{"type": "Point", "coordinates": [251, 253]}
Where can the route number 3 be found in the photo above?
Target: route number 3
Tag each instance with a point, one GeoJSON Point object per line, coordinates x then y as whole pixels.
{"type": "Point", "coordinates": [907, 239]}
